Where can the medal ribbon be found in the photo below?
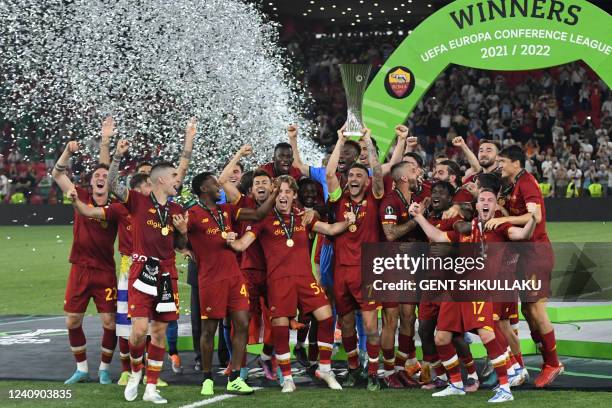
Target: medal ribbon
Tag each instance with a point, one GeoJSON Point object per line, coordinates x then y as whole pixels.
{"type": "Point", "coordinates": [164, 218]}
{"type": "Point", "coordinates": [219, 220]}
{"type": "Point", "coordinates": [288, 232]}
{"type": "Point", "coordinates": [404, 201]}
{"type": "Point", "coordinates": [355, 210]}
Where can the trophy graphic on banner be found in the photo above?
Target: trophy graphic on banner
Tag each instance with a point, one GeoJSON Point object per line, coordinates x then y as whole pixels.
{"type": "Point", "coordinates": [355, 80]}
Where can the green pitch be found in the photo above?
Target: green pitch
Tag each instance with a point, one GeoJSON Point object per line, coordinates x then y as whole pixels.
{"type": "Point", "coordinates": [35, 263]}
{"type": "Point", "coordinates": [110, 396]}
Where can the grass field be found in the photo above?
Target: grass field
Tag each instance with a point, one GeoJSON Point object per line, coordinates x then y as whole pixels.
{"type": "Point", "coordinates": [35, 263]}
{"type": "Point", "coordinates": [35, 269]}
{"type": "Point", "coordinates": [110, 396]}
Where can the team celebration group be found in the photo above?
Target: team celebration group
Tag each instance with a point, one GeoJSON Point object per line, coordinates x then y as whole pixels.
{"type": "Point", "coordinates": [280, 246]}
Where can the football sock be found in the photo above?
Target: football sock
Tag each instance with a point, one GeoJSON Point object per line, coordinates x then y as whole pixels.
{"type": "Point", "coordinates": [352, 354]}
{"type": "Point", "coordinates": [450, 361]}
{"type": "Point", "coordinates": [109, 342]}
{"type": "Point", "coordinates": [206, 376]}
{"type": "Point", "coordinates": [233, 375]}
{"type": "Point", "coordinates": [373, 354]}
{"type": "Point", "coordinates": [468, 363]}
{"type": "Point", "coordinates": [302, 333]}
{"type": "Point", "coordinates": [78, 345]}
{"type": "Point", "coordinates": [519, 359]}
{"type": "Point", "coordinates": [136, 354]}
{"type": "Point", "coordinates": [405, 346]}
{"type": "Point", "coordinates": [155, 361]}
{"type": "Point", "coordinates": [388, 361]}
{"type": "Point", "coordinates": [172, 337]}
{"type": "Point", "coordinates": [549, 349]}
{"type": "Point", "coordinates": [124, 354]}
{"type": "Point", "coordinates": [281, 348]}
{"type": "Point", "coordinates": [325, 341]}
{"type": "Point", "coordinates": [266, 351]}
{"type": "Point", "coordinates": [497, 355]}
{"type": "Point", "coordinates": [360, 330]}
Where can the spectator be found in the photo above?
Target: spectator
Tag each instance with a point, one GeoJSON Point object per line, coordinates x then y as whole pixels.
{"type": "Point", "coordinates": [561, 181]}
{"type": "Point", "coordinates": [4, 185]}
{"type": "Point", "coordinates": [574, 174]}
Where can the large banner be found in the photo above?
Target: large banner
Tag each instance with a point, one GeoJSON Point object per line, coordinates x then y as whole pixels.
{"type": "Point", "coordinates": [508, 35]}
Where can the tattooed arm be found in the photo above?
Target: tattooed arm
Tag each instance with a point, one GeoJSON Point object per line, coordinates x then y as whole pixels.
{"type": "Point", "coordinates": [120, 191]}
{"type": "Point", "coordinates": [378, 186]}
{"type": "Point", "coordinates": [190, 132]}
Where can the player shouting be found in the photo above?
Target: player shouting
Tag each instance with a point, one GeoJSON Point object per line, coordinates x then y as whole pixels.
{"type": "Point", "coordinates": [361, 198]}
{"type": "Point", "coordinates": [158, 225]}
{"type": "Point", "coordinates": [284, 238]}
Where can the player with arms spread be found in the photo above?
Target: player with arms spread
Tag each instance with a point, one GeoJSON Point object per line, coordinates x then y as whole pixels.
{"type": "Point", "coordinates": [361, 198]}
{"type": "Point", "coordinates": [284, 237]}
{"type": "Point", "coordinates": [456, 318]}
{"type": "Point", "coordinates": [158, 226]}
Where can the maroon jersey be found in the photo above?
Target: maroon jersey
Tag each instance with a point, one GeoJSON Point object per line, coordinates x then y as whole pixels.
{"type": "Point", "coordinates": [447, 224]}
{"type": "Point", "coordinates": [499, 234]}
{"type": "Point", "coordinates": [120, 214]}
{"type": "Point", "coordinates": [347, 246]}
{"type": "Point", "coordinates": [462, 195]}
{"type": "Point", "coordinates": [526, 190]}
{"type": "Point", "coordinates": [283, 261]}
{"type": "Point", "coordinates": [253, 258]}
{"type": "Point", "coordinates": [94, 240]}
{"type": "Point", "coordinates": [147, 227]}
{"type": "Point", "coordinates": [394, 210]}
{"type": "Point", "coordinates": [215, 259]}
{"type": "Point", "coordinates": [269, 168]}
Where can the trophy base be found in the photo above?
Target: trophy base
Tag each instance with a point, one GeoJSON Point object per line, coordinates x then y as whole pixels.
{"type": "Point", "coordinates": [351, 134]}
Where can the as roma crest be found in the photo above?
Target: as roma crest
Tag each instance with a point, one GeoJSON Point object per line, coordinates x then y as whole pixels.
{"type": "Point", "coordinates": [399, 82]}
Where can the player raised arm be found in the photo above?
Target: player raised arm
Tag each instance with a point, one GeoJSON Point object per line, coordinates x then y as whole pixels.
{"type": "Point", "coordinates": [402, 132]}
{"type": "Point", "coordinates": [469, 154]}
{"type": "Point", "coordinates": [433, 233]}
{"type": "Point", "coordinates": [190, 132]}
{"type": "Point", "coordinates": [378, 185]}
{"type": "Point", "coordinates": [332, 164]}
{"type": "Point", "coordinates": [59, 170]}
{"type": "Point", "coordinates": [335, 228]}
{"type": "Point", "coordinates": [231, 192]}
{"type": "Point", "coordinates": [108, 131]}
{"type": "Point", "coordinates": [525, 232]}
{"type": "Point", "coordinates": [118, 189]}
{"type": "Point", "coordinates": [292, 134]}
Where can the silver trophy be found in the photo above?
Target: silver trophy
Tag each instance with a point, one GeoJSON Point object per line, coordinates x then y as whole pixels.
{"type": "Point", "coordinates": [355, 81]}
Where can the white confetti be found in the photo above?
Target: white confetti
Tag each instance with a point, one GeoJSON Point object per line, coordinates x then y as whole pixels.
{"type": "Point", "coordinates": [152, 65]}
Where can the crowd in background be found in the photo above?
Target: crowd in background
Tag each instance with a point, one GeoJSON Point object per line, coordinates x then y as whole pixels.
{"type": "Point", "coordinates": [561, 117]}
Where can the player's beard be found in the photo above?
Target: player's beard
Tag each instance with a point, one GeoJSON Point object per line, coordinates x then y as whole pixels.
{"type": "Point", "coordinates": [487, 164]}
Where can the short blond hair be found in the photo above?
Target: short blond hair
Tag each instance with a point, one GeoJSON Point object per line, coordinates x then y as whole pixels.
{"type": "Point", "coordinates": [289, 180]}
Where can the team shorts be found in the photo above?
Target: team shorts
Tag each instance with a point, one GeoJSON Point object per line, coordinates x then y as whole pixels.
{"type": "Point", "coordinates": [256, 287]}
{"type": "Point", "coordinates": [347, 291]}
{"type": "Point", "coordinates": [286, 294]}
{"type": "Point", "coordinates": [461, 317]}
{"type": "Point", "coordinates": [141, 304]}
{"type": "Point", "coordinates": [86, 282]}
{"type": "Point", "coordinates": [429, 310]}
{"type": "Point", "coordinates": [217, 299]}
{"type": "Point", "coordinates": [505, 311]}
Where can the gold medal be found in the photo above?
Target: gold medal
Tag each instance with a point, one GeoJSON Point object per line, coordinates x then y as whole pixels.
{"type": "Point", "coordinates": [224, 235]}
{"type": "Point", "coordinates": [290, 243]}
{"type": "Point", "coordinates": [165, 231]}
{"type": "Point", "coordinates": [352, 228]}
